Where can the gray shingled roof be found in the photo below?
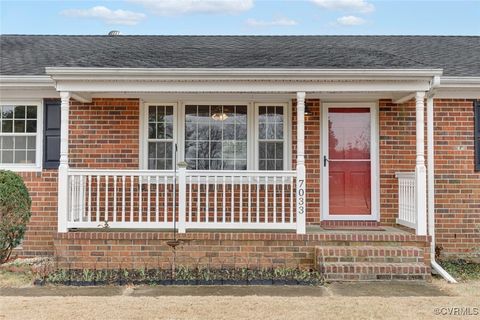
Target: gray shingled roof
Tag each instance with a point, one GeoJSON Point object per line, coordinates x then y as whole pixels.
{"type": "Point", "coordinates": [30, 54]}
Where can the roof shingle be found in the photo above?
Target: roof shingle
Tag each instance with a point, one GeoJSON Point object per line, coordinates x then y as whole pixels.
{"type": "Point", "coordinates": [30, 54]}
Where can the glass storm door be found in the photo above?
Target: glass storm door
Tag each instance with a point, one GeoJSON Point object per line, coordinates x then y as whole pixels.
{"type": "Point", "coordinates": [349, 161]}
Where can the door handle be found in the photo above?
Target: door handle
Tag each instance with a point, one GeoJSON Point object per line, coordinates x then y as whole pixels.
{"type": "Point", "coordinates": [325, 160]}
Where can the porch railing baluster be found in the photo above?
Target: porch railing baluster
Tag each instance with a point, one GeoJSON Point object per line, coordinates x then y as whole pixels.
{"type": "Point", "coordinates": [104, 188]}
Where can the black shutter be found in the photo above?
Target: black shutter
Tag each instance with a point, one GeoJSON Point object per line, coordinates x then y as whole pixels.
{"type": "Point", "coordinates": [51, 136]}
{"type": "Point", "coordinates": [476, 106]}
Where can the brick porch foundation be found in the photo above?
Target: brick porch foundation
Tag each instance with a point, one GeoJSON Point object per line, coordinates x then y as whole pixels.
{"type": "Point", "coordinates": [133, 250]}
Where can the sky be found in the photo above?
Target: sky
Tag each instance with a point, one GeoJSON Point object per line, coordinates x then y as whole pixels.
{"type": "Point", "coordinates": [241, 17]}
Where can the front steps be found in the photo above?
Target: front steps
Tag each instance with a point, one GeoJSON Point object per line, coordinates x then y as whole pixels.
{"type": "Point", "coordinates": [371, 262]}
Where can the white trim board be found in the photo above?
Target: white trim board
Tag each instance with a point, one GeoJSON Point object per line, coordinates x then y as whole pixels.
{"type": "Point", "coordinates": [375, 167]}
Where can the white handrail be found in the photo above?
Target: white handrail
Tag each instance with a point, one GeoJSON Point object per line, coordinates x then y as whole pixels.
{"type": "Point", "coordinates": [407, 214]}
{"type": "Point", "coordinates": [204, 199]}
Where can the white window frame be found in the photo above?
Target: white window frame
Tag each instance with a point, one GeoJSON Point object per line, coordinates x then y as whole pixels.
{"type": "Point", "coordinates": [27, 167]}
{"type": "Point", "coordinates": [374, 160]}
{"type": "Point", "coordinates": [287, 152]}
{"type": "Point", "coordinates": [252, 126]}
{"type": "Point", "coordinates": [143, 146]}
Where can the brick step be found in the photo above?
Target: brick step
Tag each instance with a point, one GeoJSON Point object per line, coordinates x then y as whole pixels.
{"type": "Point", "coordinates": [362, 254]}
{"type": "Point", "coordinates": [352, 271]}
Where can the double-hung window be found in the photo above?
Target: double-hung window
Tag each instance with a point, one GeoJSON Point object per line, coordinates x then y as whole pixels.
{"type": "Point", "coordinates": [271, 137]}
{"type": "Point", "coordinates": [160, 137]}
{"type": "Point", "coordinates": [217, 136]}
{"type": "Point", "coordinates": [20, 136]}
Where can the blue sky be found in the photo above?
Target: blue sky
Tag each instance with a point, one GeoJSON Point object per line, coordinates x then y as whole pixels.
{"type": "Point", "coordinates": [240, 17]}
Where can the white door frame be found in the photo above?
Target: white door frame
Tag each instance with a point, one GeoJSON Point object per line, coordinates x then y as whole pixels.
{"type": "Point", "coordinates": [374, 154]}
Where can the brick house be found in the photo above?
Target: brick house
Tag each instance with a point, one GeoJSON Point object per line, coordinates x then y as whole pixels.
{"type": "Point", "coordinates": [357, 155]}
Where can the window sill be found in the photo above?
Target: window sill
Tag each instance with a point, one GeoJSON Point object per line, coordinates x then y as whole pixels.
{"type": "Point", "coordinates": [16, 168]}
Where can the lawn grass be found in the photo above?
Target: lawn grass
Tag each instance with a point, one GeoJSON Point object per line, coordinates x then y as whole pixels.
{"type": "Point", "coordinates": [462, 269]}
{"type": "Point", "coordinates": [15, 279]}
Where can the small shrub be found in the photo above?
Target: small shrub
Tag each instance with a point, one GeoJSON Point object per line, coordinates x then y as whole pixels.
{"type": "Point", "coordinates": [15, 212]}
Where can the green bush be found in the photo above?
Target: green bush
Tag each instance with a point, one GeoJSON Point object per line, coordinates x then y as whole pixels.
{"type": "Point", "coordinates": [15, 212]}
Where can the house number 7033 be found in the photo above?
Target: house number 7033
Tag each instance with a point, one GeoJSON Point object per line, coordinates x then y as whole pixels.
{"type": "Point", "coordinates": [301, 198]}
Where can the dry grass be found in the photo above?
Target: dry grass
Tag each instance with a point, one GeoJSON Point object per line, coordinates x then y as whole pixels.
{"type": "Point", "coordinates": [251, 307]}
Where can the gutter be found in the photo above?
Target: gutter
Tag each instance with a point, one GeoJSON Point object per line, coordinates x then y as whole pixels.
{"type": "Point", "coordinates": [280, 74]}
{"type": "Point", "coordinates": [431, 180]}
{"type": "Point", "coordinates": [7, 81]}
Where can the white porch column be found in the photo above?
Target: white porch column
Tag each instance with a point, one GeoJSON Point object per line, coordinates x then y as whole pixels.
{"type": "Point", "coordinates": [182, 197]}
{"type": "Point", "coordinates": [63, 168]}
{"type": "Point", "coordinates": [301, 203]}
{"type": "Point", "coordinates": [420, 170]}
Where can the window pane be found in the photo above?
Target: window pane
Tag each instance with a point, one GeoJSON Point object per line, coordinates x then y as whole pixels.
{"type": "Point", "coordinates": [7, 156]}
{"type": "Point", "coordinates": [30, 156]}
{"type": "Point", "coordinates": [262, 131]}
{"type": "Point", "coordinates": [32, 112]}
{"type": "Point", "coordinates": [271, 137]}
{"type": "Point", "coordinates": [19, 126]}
{"type": "Point", "coordinates": [160, 155]}
{"type": "Point", "coordinates": [31, 142]}
{"type": "Point", "coordinates": [7, 112]}
{"type": "Point", "coordinates": [7, 126]}
{"type": "Point", "coordinates": [216, 137]}
{"type": "Point", "coordinates": [7, 143]}
{"type": "Point", "coordinates": [31, 126]}
{"type": "Point", "coordinates": [20, 156]}
{"type": "Point", "coordinates": [20, 143]}
{"type": "Point", "coordinates": [20, 112]}
{"type": "Point", "coordinates": [152, 113]}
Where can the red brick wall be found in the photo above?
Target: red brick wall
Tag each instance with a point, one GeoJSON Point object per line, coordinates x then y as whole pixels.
{"type": "Point", "coordinates": [457, 185]}
{"type": "Point", "coordinates": [42, 187]}
{"type": "Point", "coordinates": [132, 250]}
{"type": "Point", "coordinates": [104, 134]}
{"type": "Point", "coordinates": [397, 152]}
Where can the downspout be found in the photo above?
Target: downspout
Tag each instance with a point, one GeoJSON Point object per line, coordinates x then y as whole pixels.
{"type": "Point", "coordinates": [431, 181]}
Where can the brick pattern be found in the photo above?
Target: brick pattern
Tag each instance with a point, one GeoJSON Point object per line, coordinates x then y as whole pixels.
{"type": "Point", "coordinates": [104, 134]}
{"type": "Point", "coordinates": [457, 185]}
{"type": "Point", "coordinates": [214, 249]}
{"type": "Point", "coordinates": [385, 262]}
{"type": "Point", "coordinates": [313, 157]}
{"type": "Point", "coordinates": [42, 187]}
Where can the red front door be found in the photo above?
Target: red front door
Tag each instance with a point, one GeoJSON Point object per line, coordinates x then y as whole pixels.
{"type": "Point", "coordinates": [349, 161]}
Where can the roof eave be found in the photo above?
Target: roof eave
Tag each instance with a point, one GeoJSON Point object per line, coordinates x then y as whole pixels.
{"type": "Point", "coordinates": [69, 73]}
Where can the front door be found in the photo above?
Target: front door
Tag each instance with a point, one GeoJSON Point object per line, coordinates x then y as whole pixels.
{"type": "Point", "coordinates": [348, 162]}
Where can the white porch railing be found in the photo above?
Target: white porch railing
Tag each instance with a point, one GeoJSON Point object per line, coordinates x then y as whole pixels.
{"type": "Point", "coordinates": [198, 199]}
{"type": "Point", "coordinates": [241, 199]}
{"type": "Point", "coordinates": [120, 199]}
{"type": "Point", "coordinates": [407, 213]}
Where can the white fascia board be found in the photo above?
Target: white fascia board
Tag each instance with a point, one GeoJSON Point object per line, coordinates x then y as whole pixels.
{"type": "Point", "coordinates": [26, 81]}
{"type": "Point", "coordinates": [67, 73]}
{"type": "Point", "coordinates": [241, 86]}
{"type": "Point", "coordinates": [26, 87]}
{"type": "Point", "coordinates": [459, 82]}
{"type": "Point", "coordinates": [458, 88]}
